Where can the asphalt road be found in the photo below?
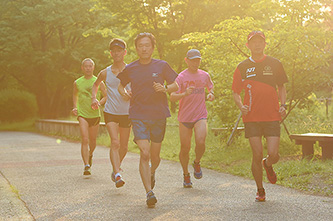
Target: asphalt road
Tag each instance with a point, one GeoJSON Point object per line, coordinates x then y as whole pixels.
{"type": "Point", "coordinates": [41, 179]}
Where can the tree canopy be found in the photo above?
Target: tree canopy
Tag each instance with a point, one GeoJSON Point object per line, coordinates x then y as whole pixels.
{"type": "Point", "coordinates": [44, 42]}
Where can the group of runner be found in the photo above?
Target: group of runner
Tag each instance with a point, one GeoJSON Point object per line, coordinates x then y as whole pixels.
{"type": "Point", "coordinates": [135, 95]}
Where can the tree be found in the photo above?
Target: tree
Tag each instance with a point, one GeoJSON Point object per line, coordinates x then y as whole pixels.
{"type": "Point", "coordinates": [43, 43]}
{"type": "Point", "coordinates": [304, 51]}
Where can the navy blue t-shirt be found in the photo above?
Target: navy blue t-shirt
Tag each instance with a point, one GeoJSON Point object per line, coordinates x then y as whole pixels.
{"type": "Point", "coordinates": [146, 104]}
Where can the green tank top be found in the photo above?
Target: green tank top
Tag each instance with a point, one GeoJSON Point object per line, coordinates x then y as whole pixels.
{"type": "Point", "coordinates": [84, 87]}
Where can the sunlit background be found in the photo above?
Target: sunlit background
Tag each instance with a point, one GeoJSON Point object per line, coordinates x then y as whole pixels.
{"type": "Point", "coordinates": [43, 43]}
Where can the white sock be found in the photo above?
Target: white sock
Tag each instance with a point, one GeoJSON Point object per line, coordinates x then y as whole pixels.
{"type": "Point", "coordinates": [118, 174]}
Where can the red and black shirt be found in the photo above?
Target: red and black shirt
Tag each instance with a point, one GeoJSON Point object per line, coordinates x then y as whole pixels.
{"type": "Point", "coordinates": [259, 80]}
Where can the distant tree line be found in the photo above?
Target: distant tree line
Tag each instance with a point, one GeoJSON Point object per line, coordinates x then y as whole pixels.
{"type": "Point", "coordinates": [42, 43]}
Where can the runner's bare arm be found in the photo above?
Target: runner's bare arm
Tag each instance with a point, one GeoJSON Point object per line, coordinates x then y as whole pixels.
{"type": "Point", "coordinates": [74, 110]}
{"type": "Point", "coordinates": [172, 87]}
{"type": "Point", "coordinates": [177, 96]}
{"type": "Point", "coordinates": [122, 91]}
{"type": "Point", "coordinates": [100, 78]}
{"type": "Point", "coordinates": [283, 97]}
{"type": "Point", "coordinates": [104, 93]}
{"type": "Point", "coordinates": [239, 103]}
{"type": "Point", "coordinates": [211, 95]}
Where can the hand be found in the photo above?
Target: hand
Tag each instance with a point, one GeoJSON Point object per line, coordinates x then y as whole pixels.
{"type": "Point", "coordinates": [159, 87]}
{"type": "Point", "coordinates": [127, 95]}
{"type": "Point", "coordinates": [74, 111]}
{"type": "Point", "coordinates": [245, 109]}
{"type": "Point", "coordinates": [282, 111]}
{"type": "Point", "coordinates": [95, 104]}
{"type": "Point", "coordinates": [189, 90]}
{"type": "Point", "coordinates": [210, 96]}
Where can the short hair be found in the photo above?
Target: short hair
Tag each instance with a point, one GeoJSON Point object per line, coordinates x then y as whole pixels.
{"type": "Point", "coordinates": [117, 41]}
{"type": "Point", "coordinates": [88, 59]}
{"type": "Point", "coordinates": [145, 34]}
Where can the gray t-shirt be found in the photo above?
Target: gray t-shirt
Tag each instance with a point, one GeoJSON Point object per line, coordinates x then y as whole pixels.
{"type": "Point", "coordinates": [115, 104]}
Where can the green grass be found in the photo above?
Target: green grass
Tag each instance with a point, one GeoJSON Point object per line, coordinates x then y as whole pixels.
{"type": "Point", "coordinates": [27, 125]}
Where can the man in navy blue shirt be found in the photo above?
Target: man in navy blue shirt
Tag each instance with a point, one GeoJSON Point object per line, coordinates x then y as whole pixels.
{"type": "Point", "coordinates": [148, 106]}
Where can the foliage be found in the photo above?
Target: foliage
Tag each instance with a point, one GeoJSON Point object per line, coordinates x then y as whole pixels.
{"type": "Point", "coordinates": [42, 45]}
{"type": "Point", "coordinates": [168, 20]}
{"type": "Point", "coordinates": [26, 125]}
{"type": "Point", "coordinates": [17, 105]}
{"type": "Point", "coordinates": [305, 52]}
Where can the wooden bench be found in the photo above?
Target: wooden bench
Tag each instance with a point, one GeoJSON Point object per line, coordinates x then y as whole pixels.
{"type": "Point", "coordinates": [307, 140]}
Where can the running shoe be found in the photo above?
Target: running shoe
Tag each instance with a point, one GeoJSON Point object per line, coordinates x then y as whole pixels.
{"type": "Point", "coordinates": [271, 176]}
{"type": "Point", "coordinates": [261, 195]}
{"type": "Point", "coordinates": [119, 182]}
{"type": "Point", "coordinates": [197, 170]}
{"type": "Point", "coordinates": [152, 180]}
{"type": "Point", "coordinates": [113, 177]}
{"type": "Point", "coordinates": [90, 160]}
{"type": "Point", "coordinates": [187, 181]}
{"type": "Point", "coordinates": [151, 199]}
{"type": "Point", "coordinates": [87, 170]}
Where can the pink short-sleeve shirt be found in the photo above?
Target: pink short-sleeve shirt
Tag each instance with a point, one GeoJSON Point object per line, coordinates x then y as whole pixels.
{"type": "Point", "coordinates": [193, 106]}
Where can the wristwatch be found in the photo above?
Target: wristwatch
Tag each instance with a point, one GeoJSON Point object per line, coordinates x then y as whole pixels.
{"type": "Point", "coordinates": [284, 105]}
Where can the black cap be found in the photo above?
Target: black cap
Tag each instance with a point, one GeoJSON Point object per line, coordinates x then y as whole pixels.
{"type": "Point", "coordinates": [117, 42]}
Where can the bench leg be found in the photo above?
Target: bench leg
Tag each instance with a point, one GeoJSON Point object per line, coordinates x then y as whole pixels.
{"type": "Point", "coordinates": [327, 150]}
{"type": "Point", "coordinates": [307, 149]}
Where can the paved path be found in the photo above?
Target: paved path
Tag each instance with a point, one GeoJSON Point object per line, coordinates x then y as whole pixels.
{"type": "Point", "coordinates": [47, 177]}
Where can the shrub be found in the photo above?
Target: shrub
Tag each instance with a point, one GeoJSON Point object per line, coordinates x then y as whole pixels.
{"type": "Point", "coordinates": [17, 105]}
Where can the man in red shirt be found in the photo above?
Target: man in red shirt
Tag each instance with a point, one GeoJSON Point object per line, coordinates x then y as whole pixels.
{"type": "Point", "coordinates": [259, 76]}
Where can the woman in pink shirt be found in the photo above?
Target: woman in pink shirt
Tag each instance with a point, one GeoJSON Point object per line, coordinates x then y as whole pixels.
{"type": "Point", "coordinates": [192, 112]}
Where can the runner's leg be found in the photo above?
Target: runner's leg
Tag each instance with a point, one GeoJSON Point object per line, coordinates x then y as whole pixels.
{"type": "Point", "coordinates": [185, 135]}
{"type": "Point", "coordinates": [144, 167]}
{"type": "Point", "coordinates": [272, 150]}
{"type": "Point", "coordinates": [93, 133]}
{"type": "Point", "coordinates": [200, 131]}
{"type": "Point", "coordinates": [257, 155]}
{"type": "Point", "coordinates": [124, 134]}
{"type": "Point", "coordinates": [84, 139]}
{"type": "Point", "coordinates": [155, 158]}
{"type": "Point", "coordinates": [113, 129]}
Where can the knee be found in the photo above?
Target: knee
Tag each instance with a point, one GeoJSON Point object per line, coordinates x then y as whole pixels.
{"type": "Point", "coordinates": [92, 142]}
{"type": "Point", "coordinates": [201, 144]}
{"type": "Point", "coordinates": [274, 157]}
{"type": "Point", "coordinates": [144, 155]}
{"type": "Point", "coordinates": [85, 140]}
{"type": "Point", "coordinates": [124, 147]}
{"type": "Point", "coordinates": [185, 149]}
{"type": "Point", "coordinates": [155, 158]}
{"type": "Point", "coordinates": [115, 144]}
{"type": "Point", "coordinates": [257, 157]}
